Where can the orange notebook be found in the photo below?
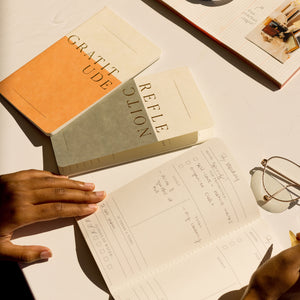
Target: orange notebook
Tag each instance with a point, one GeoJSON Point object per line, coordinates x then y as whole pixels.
{"type": "Point", "coordinates": [78, 70]}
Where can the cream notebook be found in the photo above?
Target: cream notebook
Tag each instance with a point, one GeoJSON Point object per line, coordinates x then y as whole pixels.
{"type": "Point", "coordinates": [189, 229]}
{"type": "Point", "coordinates": [146, 116]}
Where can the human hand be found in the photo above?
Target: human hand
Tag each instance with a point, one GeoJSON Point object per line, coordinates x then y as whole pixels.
{"type": "Point", "coordinates": [276, 276]}
{"type": "Point", "coordinates": [31, 196]}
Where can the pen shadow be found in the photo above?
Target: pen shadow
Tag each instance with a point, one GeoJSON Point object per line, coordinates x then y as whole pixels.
{"type": "Point", "coordinates": [234, 59]}
{"type": "Point", "coordinates": [210, 2]}
{"type": "Point", "coordinates": [87, 262]}
{"type": "Point", "coordinates": [36, 137]}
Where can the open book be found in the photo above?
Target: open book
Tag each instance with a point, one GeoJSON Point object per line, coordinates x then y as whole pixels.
{"type": "Point", "coordinates": [265, 33]}
{"type": "Point", "coordinates": [78, 70]}
{"type": "Point", "coordinates": [146, 116]}
{"type": "Point", "coordinates": [189, 229]}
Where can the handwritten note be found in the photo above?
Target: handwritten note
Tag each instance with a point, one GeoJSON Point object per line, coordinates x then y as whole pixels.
{"type": "Point", "coordinates": [167, 218]}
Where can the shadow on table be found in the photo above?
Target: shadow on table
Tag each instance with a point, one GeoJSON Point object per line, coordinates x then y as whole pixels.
{"type": "Point", "coordinates": [87, 262]}
{"type": "Point", "coordinates": [233, 59]}
{"type": "Point", "coordinates": [85, 258]}
{"type": "Point", "coordinates": [36, 137]}
{"type": "Point", "coordinates": [40, 227]}
{"type": "Point", "coordinates": [13, 282]}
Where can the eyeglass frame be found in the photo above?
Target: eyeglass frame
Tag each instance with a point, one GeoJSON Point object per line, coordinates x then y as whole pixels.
{"type": "Point", "coordinates": [269, 197]}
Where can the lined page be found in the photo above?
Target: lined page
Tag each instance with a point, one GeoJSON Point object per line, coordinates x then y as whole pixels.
{"type": "Point", "coordinates": [172, 210]}
{"type": "Point", "coordinates": [210, 272]}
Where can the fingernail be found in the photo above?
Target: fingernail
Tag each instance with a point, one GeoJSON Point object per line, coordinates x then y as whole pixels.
{"type": "Point", "coordinates": [100, 194]}
{"type": "Point", "coordinates": [89, 185]}
{"type": "Point", "coordinates": [92, 207]}
{"type": "Point", "coordinates": [45, 255]}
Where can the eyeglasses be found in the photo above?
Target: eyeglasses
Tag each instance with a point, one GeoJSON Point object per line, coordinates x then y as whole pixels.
{"type": "Point", "coordinates": [280, 179]}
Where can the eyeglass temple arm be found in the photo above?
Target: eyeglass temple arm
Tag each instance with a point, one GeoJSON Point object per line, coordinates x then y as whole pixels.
{"type": "Point", "coordinates": [277, 172]}
{"type": "Point", "coordinates": [269, 196]}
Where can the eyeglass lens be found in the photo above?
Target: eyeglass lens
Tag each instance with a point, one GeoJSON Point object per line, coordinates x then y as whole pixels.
{"type": "Point", "coordinates": [287, 176]}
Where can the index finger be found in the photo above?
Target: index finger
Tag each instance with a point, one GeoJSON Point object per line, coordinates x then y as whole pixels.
{"type": "Point", "coordinates": [55, 181]}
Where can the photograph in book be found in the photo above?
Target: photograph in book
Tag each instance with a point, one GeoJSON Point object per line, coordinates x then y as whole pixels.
{"type": "Point", "coordinates": [279, 33]}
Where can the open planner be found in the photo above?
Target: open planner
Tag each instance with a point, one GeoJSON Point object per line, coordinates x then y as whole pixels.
{"type": "Point", "coordinates": [189, 229]}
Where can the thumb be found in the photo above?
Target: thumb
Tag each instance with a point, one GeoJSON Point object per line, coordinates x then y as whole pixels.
{"type": "Point", "coordinates": [24, 254]}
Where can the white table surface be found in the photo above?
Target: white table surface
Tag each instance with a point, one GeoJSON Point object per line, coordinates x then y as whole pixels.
{"type": "Point", "coordinates": [252, 116]}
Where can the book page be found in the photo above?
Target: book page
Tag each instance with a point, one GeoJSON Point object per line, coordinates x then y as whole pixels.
{"type": "Point", "coordinates": [224, 266]}
{"type": "Point", "coordinates": [213, 271]}
{"type": "Point", "coordinates": [173, 210]}
{"type": "Point", "coordinates": [260, 31]}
